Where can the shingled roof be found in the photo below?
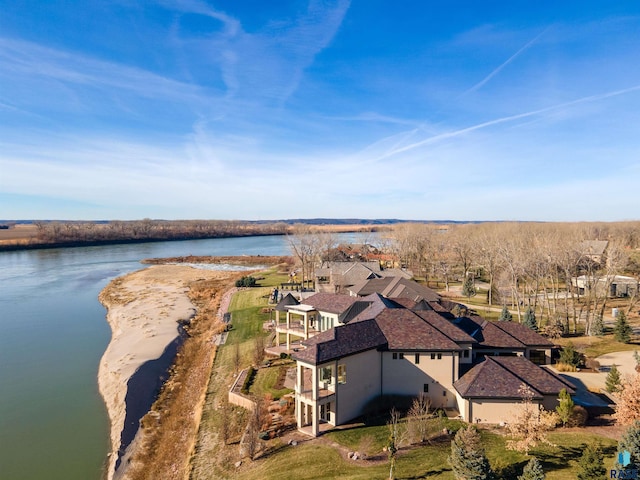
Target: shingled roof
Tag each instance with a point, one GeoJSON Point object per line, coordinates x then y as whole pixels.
{"type": "Point", "coordinates": [395, 287]}
{"type": "Point", "coordinates": [502, 377]}
{"type": "Point", "coordinates": [330, 302]}
{"type": "Point", "coordinates": [287, 300]}
{"type": "Point", "coordinates": [342, 341]}
{"type": "Point", "coordinates": [501, 334]}
{"type": "Point", "coordinates": [405, 330]}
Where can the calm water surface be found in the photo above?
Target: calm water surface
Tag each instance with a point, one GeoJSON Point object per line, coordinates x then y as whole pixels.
{"type": "Point", "coordinates": [53, 424]}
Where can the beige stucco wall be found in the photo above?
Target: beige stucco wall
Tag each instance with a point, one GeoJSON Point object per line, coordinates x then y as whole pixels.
{"type": "Point", "coordinates": [363, 384]}
{"type": "Point", "coordinates": [492, 411]}
{"type": "Point", "coordinates": [405, 377]}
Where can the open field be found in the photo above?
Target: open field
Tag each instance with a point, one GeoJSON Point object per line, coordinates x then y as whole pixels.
{"type": "Point", "coordinates": [18, 234]}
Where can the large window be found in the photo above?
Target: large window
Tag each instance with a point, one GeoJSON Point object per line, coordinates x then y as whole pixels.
{"type": "Point", "coordinates": [325, 374]}
{"type": "Point", "coordinates": [342, 373]}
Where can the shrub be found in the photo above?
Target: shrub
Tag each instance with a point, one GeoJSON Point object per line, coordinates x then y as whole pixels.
{"type": "Point", "coordinates": [579, 416]}
{"type": "Point", "coordinates": [251, 374]}
{"type": "Point", "coordinates": [246, 282]}
{"type": "Point", "coordinates": [565, 367]}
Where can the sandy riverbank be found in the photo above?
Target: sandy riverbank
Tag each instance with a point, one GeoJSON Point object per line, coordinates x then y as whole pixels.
{"type": "Point", "coordinates": [144, 312]}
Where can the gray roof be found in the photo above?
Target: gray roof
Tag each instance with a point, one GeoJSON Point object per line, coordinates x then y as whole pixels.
{"type": "Point", "coordinates": [288, 299]}
{"type": "Point", "coordinates": [395, 287]}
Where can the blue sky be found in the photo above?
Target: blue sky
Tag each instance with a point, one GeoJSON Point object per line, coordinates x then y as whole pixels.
{"type": "Point", "coordinates": [463, 110]}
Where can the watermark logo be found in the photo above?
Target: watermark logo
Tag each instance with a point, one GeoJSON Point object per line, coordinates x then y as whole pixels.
{"type": "Point", "coordinates": [624, 460]}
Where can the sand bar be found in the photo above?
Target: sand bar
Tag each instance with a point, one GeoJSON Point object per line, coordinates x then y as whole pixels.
{"type": "Point", "coordinates": [144, 311]}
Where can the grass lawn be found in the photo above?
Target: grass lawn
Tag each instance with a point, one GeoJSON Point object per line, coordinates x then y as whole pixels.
{"type": "Point", "coordinates": [593, 347]}
{"type": "Point", "coordinates": [314, 459]}
{"type": "Point", "coordinates": [266, 379]}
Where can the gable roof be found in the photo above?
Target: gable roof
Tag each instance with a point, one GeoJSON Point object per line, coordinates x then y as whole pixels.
{"type": "Point", "coordinates": [502, 377]}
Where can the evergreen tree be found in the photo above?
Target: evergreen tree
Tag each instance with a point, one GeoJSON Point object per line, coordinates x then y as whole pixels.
{"type": "Point", "coordinates": [630, 442]}
{"type": "Point", "coordinates": [622, 330]}
{"type": "Point", "coordinates": [505, 315]}
{"type": "Point", "coordinates": [529, 319]}
{"type": "Point", "coordinates": [591, 463]}
{"type": "Point", "coordinates": [613, 379]}
{"type": "Point", "coordinates": [532, 471]}
{"type": "Point", "coordinates": [468, 459]}
{"type": "Point", "coordinates": [597, 327]}
{"type": "Point", "coordinates": [570, 355]}
{"type": "Point", "coordinates": [468, 287]}
{"type": "Point", "coordinates": [565, 406]}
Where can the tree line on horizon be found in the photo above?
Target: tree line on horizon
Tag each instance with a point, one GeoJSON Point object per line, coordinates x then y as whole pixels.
{"type": "Point", "coordinates": [140, 230]}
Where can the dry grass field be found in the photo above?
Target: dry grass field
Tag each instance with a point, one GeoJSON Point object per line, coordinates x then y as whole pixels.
{"type": "Point", "coordinates": [18, 234]}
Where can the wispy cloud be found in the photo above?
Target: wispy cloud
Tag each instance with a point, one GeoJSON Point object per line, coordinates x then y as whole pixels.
{"type": "Point", "coordinates": [499, 68]}
{"type": "Point", "coordinates": [511, 118]}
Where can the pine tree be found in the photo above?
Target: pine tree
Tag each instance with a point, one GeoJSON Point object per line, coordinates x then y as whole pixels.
{"type": "Point", "coordinates": [591, 463]}
{"type": "Point", "coordinates": [565, 406]}
{"type": "Point", "coordinates": [529, 319]}
{"type": "Point", "coordinates": [468, 287]}
{"type": "Point", "coordinates": [613, 379]}
{"type": "Point", "coordinates": [597, 327]}
{"type": "Point", "coordinates": [468, 459]}
{"type": "Point", "coordinates": [505, 315]}
{"type": "Point", "coordinates": [622, 330]}
{"type": "Point", "coordinates": [532, 471]}
{"type": "Point", "coordinates": [630, 442]}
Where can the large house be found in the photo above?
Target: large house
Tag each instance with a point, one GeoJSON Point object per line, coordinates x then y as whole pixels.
{"type": "Point", "coordinates": [338, 277]}
{"type": "Point", "coordinates": [354, 349]}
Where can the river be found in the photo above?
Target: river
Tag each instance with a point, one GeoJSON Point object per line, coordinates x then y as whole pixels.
{"type": "Point", "coordinates": [53, 423]}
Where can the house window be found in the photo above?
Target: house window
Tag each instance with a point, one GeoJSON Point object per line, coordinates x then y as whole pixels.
{"type": "Point", "coordinates": [444, 393]}
{"type": "Point", "coordinates": [425, 388]}
{"type": "Point", "coordinates": [433, 356]}
{"type": "Point", "coordinates": [342, 373]}
{"type": "Point", "coordinates": [325, 374]}
{"type": "Point", "coordinates": [394, 355]}
{"type": "Point", "coordinates": [439, 356]}
{"type": "Point", "coordinates": [465, 354]}
{"type": "Point", "coordinates": [401, 356]}
{"type": "Point", "coordinates": [417, 358]}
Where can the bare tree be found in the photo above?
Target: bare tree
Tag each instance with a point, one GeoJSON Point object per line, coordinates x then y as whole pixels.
{"type": "Point", "coordinates": [530, 425]}
{"type": "Point", "coordinates": [418, 419]}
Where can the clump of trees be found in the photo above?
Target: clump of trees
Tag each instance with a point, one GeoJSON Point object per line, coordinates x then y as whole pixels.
{"type": "Point", "coordinates": [529, 265]}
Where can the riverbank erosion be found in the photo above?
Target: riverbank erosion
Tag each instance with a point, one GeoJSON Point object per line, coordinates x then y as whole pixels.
{"type": "Point", "coordinates": [150, 313]}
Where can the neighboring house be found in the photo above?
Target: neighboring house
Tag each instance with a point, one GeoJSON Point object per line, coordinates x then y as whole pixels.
{"type": "Point", "coordinates": [338, 277]}
{"type": "Point", "coordinates": [491, 391]}
{"type": "Point", "coordinates": [608, 285]}
{"type": "Point", "coordinates": [378, 346]}
{"type": "Point", "coordinates": [594, 250]}
{"type": "Point", "coordinates": [395, 287]}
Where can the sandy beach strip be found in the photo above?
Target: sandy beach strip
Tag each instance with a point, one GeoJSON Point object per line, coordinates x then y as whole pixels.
{"type": "Point", "coordinates": [144, 312]}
